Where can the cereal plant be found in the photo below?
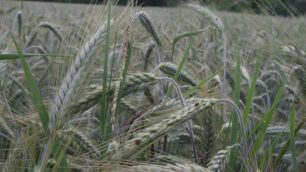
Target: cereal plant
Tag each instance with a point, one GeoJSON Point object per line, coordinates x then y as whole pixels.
{"type": "Point", "coordinates": [103, 87]}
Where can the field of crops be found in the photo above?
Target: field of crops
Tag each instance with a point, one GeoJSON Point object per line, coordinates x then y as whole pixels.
{"type": "Point", "coordinates": [109, 88]}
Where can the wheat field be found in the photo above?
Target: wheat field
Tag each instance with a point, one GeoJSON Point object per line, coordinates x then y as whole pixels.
{"type": "Point", "coordinates": [103, 87]}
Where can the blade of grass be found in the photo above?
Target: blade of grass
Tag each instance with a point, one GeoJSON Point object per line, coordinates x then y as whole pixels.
{"type": "Point", "coordinates": [103, 101]}
{"type": "Point", "coordinates": [124, 73]}
{"type": "Point", "coordinates": [176, 39]}
{"type": "Point", "coordinates": [292, 140]}
{"type": "Point", "coordinates": [267, 121]}
{"type": "Point", "coordinates": [179, 69]}
{"type": "Point", "coordinates": [233, 153]}
{"type": "Point", "coordinates": [284, 149]}
{"type": "Point", "coordinates": [249, 101]}
{"type": "Point", "coordinates": [37, 99]}
{"type": "Point", "coordinates": [39, 105]}
{"type": "Point", "coordinates": [195, 88]}
{"type": "Point", "coordinates": [251, 92]}
{"type": "Point", "coordinates": [12, 56]}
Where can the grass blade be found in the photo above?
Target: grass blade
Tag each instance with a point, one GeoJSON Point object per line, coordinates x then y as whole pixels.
{"type": "Point", "coordinates": [176, 39]}
{"type": "Point", "coordinates": [292, 140]}
{"type": "Point", "coordinates": [233, 153]}
{"type": "Point", "coordinates": [103, 101]}
{"type": "Point", "coordinates": [179, 69]}
{"type": "Point", "coordinates": [37, 99]}
{"type": "Point", "coordinates": [251, 92]}
{"type": "Point", "coordinates": [284, 149]}
{"type": "Point", "coordinates": [40, 107]}
{"type": "Point", "coordinates": [124, 73]}
{"type": "Point", "coordinates": [12, 56]}
{"type": "Point", "coordinates": [268, 120]}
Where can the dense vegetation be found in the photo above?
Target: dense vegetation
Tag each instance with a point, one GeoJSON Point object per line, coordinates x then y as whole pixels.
{"type": "Point", "coordinates": [107, 88]}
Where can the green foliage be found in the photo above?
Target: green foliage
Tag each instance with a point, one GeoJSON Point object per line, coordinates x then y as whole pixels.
{"type": "Point", "coordinates": [103, 100]}
{"type": "Point", "coordinates": [38, 101]}
{"type": "Point", "coordinates": [233, 154]}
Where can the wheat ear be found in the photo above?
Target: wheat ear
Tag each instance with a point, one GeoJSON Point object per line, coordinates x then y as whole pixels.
{"type": "Point", "coordinates": [149, 135]}
{"type": "Point", "coordinates": [52, 28]}
{"type": "Point", "coordinates": [213, 19]}
{"type": "Point", "coordinates": [134, 83]}
{"type": "Point", "coordinates": [170, 69]}
{"type": "Point", "coordinates": [217, 162]}
{"type": "Point", "coordinates": [146, 21]}
{"type": "Point", "coordinates": [18, 18]}
{"type": "Point", "coordinates": [209, 134]}
{"type": "Point", "coordinates": [82, 141]}
{"type": "Point", "coordinates": [75, 74]}
{"type": "Point", "coordinates": [169, 167]}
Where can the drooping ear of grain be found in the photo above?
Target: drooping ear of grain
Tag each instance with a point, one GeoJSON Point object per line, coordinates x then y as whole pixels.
{"type": "Point", "coordinates": [17, 19]}
{"type": "Point", "coordinates": [146, 21]}
{"type": "Point", "coordinates": [52, 28]}
{"type": "Point", "coordinates": [170, 69]}
{"type": "Point", "coordinates": [213, 19]}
